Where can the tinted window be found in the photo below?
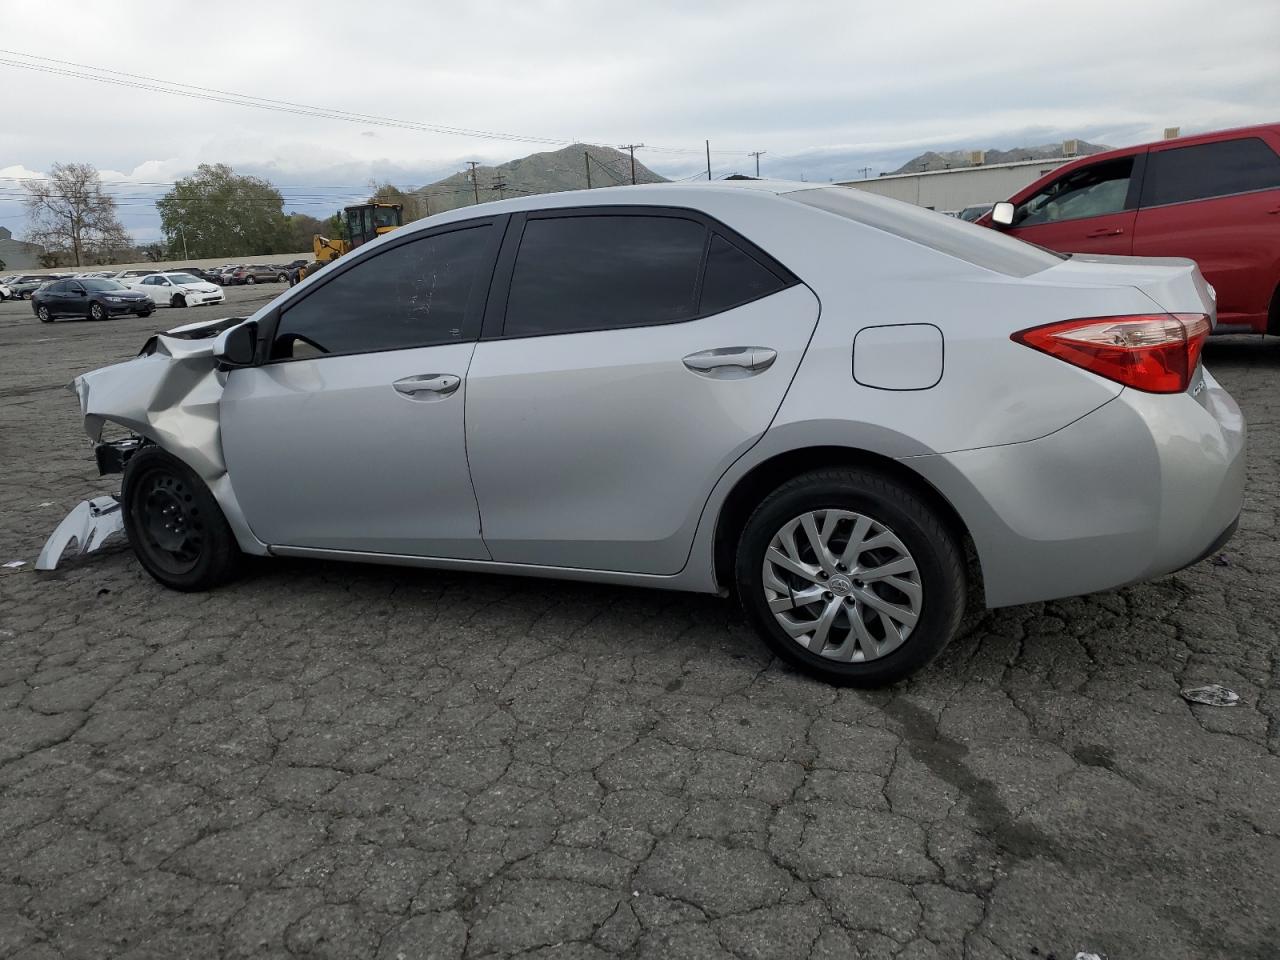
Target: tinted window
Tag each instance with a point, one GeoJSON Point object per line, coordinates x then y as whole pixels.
{"type": "Point", "coordinates": [1209, 170]}
{"type": "Point", "coordinates": [1088, 192]}
{"type": "Point", "coordinates": [413, 295]}
{"type": "Point", "coordinates": [59, 287]}
{"type": "Point", "coordinates": [733, 277]}
{"type": "Point", "coordinates": [602, 272]}
{"type": "Point", "coordinates": [989, 249]}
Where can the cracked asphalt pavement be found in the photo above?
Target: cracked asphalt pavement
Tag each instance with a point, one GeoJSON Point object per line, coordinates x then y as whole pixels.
{"type": "Point", "coordinates": [331, 760]}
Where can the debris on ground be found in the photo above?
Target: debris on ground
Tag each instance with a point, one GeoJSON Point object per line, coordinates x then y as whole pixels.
{"type": "Point", "coordinates": [1089, 956]}
{"type": "Point", "coordinates": [15, 564]}
{"type": "Point", "coordinates": [89, 524]}
{"type": "Point", "coordinates": [1221, 560]}
{"type": "Point", "coordinates": [1211, 695]}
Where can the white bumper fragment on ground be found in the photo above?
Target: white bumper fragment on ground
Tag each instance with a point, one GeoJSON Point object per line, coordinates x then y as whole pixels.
{"type": "Point", "coordinates": [90, 525]}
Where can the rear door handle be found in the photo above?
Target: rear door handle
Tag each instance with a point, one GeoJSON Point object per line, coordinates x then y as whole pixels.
{"type": "Point", "coordinates": [727, 363]}
{"type": "Point", "coordinates": [428, 386]}
{"type": "Point", "coordinates": [1106, 232]}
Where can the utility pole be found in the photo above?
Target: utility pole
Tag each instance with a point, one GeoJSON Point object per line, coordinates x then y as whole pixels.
{"type": "Point", "coordinates": [633, 147]}
{"type": "Point", "coordinates": [708, 159]}
{"type": "Point", "coordinates": [475, 181]}
{"type": "Point", "coordinates": [500, 184]}
{"type": "Point", "coordinates": [183, 235]}
{"type": "Point", "coordinates": [586, 159]}
{"type": "Point", "coordinates": [866, 172]}
{"type": "Point", "coordinates": [757, 154]}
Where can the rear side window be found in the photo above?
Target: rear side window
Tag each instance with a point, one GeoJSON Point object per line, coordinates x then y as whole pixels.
{"type": "Point", "coordinates": [604, 272]}
{"type": "Point", "coordinates": [733, 277]}
{"type": "Point", "coordinates": [980, 246]}
{"type": "Point", "coordinates": [1209, 170]}
{"type": "Point", "coordinates": [416, 294]}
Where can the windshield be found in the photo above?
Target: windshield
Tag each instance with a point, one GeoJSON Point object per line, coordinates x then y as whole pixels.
{"type": "Point", "coordinates": [92, 284]}
{"type": "Point", "coordinates": [384, 216]}
{"type": "Point", "coordinates": [969, 242]}
{"type": "Point", "coordinates": [182, 278]}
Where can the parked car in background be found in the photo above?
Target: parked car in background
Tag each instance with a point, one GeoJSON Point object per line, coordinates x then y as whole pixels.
{"type": "Point", "coordinates": [972, 213]}
{"type": "Point", "coordinates": [225, 274]}
{"type": "Point", "coordinates": [257, 273]}
{"type": "Point", "coordinates": [207, 274]}
{"type": "Point", "coordinates": [1214, 198]}
{"type": "Point", "coordinates": [748, 383]}
{"type": "Point", "coordinates": [178, 290]}
{"type": "Point", "coordinates": [125, 276]}
{"type": "Point", "coordinates": [92, 297]}
{"type": "Point", "coordinates": [5, 292]}
{"type": "Point", "coordinates": [23, 286]}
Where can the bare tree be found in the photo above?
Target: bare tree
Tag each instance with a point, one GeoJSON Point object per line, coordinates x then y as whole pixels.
{"type": "Point", "coordinates": [71, 213]}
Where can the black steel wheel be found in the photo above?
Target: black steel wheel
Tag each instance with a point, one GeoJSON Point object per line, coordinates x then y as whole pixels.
{"type": "Point", "coordinates": [175, 526]}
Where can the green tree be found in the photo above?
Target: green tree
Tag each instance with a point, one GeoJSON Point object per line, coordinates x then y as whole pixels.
{"type": "Point", "coordinates": [415, 206]}
{"type": "Point", "coordinates": [223, 214]}
{"type": "Point", "coordinates": [302, 227]}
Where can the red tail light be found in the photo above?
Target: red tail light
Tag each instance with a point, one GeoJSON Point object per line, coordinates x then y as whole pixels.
{"type": "Point", "coordinates": [1155, 352]}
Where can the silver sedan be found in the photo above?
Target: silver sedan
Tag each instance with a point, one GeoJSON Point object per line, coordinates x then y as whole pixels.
{"type": "Point", "coordinates": [819, 400]}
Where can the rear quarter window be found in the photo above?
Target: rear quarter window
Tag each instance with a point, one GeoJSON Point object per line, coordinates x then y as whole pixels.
{"type": "Point", "coordinates": [980, 246]}
{"type": "Point", "coordinates": [1209, 170]}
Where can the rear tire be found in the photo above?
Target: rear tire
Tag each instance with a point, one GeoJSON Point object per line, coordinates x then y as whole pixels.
{"type": "Point", "coordinates": [174, 524]}
{"type": "Point", "coordinates": [282, 278]}
{"type": "Point", "coordinates": [805, 607]}
{"type": "Point", "coordinates": [250, 280]}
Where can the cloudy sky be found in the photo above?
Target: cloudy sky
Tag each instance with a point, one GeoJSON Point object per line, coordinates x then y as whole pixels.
{"type": "Point", "coordinates": [825, 88]}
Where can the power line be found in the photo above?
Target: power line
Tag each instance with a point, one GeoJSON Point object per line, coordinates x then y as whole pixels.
{"type": "Point", "coordinates": [82, 71]}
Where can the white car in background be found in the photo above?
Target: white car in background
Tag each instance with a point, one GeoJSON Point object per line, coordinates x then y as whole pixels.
{"type": "Point", "coordinates": [177, 289]}
{"type": "Point", "coordinates": [5, 292]}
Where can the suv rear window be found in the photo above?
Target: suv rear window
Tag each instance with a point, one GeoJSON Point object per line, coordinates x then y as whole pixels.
{"type": "Point", "coordinates": [981, 246]}
{"type": "Point", "coordinates": [1209, 170]}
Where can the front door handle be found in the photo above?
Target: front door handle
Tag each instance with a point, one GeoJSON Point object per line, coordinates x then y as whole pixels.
{"type": "Point", "coordinates": [428, 386]}
{"type": "Point", "coordinates": [727, 363]}
{"type": "Point", "coordinates": [1106, 232]}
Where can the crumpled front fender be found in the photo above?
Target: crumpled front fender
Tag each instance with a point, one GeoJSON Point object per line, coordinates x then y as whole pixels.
{"type": "Point", "coordinates": [170, 396]}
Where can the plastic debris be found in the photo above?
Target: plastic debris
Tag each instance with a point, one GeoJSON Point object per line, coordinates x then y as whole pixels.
{"type": "Point", "coordinates": [1221, 560]}
{"type": "Point", "coordinates": [1211, 695]}
{"type": "Point", "coordinates": [89, 525]}
{"type": "Point", "coordinates": [1089, 956]}
{"type": "Point", "coordinates": [15, 564]}
{"type": "Point", "coordinates": [47, 503]}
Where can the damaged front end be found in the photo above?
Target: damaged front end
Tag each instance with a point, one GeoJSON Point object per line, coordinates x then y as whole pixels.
{"type": "Point", "coordinates": [168, 395]}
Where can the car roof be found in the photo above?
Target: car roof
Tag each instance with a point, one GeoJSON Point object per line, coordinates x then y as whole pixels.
{"type": "Point", "coordinates": [1233, 133]}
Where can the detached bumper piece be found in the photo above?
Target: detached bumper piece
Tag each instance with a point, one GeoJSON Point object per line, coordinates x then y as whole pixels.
{"type": "Point", "coordinates": [112, 456]}
{"type": "Point", "coordinates": [90, 524]}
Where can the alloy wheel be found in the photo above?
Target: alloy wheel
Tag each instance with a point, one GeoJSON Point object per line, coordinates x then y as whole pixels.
{"type": "Point", "coordinates": [842, 585]}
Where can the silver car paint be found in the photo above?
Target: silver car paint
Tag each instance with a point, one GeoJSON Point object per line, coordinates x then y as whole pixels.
{"type": "Point", "coordinates": [998, 403]}
{"type": "Point", "coordinates": [327, 454]}
{"type": "Point", "coordinates": [585, 447]}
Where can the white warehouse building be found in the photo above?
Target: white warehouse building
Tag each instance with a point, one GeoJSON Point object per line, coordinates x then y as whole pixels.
{"type": "Point", "coordinates": [959, 187]}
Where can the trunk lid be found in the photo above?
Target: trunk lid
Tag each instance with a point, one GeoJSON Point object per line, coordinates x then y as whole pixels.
{"type": "Point", "coordinates": [1173, 284]}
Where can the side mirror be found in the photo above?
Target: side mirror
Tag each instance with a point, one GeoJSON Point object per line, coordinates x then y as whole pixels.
{"type": "Point", "coordinates": [1002, 213]}
{"type": "Point", "coordinates": [238, 346]}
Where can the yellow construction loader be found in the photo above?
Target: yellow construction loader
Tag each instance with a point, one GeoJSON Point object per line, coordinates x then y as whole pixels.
{"type": "Point", "coordinates": [364, 222]}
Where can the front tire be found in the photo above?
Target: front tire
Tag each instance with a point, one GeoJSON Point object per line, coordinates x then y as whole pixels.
{"type": "Point", "coordinates": [250, 281]}
{"type": "Point", "coordinates": [174, 524]}
{"type": "Point", "coordinates": [97, 311]}
{"type": "Point", "coordinates": [178, 301]}
{"type": "Point", "coordinates": [43, 313]}
{"type": "Point", "coordinates": [282, 278]}
{"type": "Point", "coordinates": [850, 576]}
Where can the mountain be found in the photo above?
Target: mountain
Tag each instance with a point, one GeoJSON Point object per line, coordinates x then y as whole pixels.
{"type": "Point", "coordinates": [550, 172]}
{"type": "Point", "coordinates": [930, 160]}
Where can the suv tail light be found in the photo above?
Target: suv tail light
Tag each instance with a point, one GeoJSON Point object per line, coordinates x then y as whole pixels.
{"type": "Point", "coordinates": [1155, 352]}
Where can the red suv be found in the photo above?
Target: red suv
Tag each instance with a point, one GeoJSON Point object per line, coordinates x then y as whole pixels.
{"type": "Point", "coordinates": [1214, 198]}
